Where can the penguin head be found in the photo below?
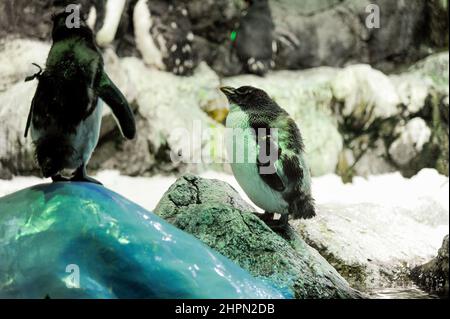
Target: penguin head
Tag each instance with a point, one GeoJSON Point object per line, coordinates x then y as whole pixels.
{"type": "Point", "coordinates": [247, 97]}
{"type": "Point", "coordinates": [64, 27]}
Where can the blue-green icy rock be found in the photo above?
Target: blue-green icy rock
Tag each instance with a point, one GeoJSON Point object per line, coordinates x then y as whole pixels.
{"type": "Point", "coordinates": [50, 234]}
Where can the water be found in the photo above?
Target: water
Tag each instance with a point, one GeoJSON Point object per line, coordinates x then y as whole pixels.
{"type": "Point", "coordinates": [401, 293]}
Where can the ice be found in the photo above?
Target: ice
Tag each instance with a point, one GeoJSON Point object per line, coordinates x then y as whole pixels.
{"type": "Point", "coordinates": [81, 240]}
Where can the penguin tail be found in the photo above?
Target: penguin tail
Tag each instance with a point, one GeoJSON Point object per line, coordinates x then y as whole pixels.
{"type": "Point", "coordinates": [51, 153]}
{"type": "Point", "coordinates": [302, 207]}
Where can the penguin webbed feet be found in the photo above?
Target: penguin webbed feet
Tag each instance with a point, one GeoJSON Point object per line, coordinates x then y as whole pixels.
{"type": "Point", "coordinates": [80, 175]}
{"type": "Point", "coordinates": [59, 178]}
{"type": "Point", "coordinates": [36, 75]}
{"type": "Point", "coordinates": [275, 224]}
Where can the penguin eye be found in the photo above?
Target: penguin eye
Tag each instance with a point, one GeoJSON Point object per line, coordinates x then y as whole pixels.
{"type": "Point", "coordinates": [243, 90]}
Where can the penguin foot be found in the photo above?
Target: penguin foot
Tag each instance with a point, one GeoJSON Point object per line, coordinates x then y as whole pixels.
{"type": "Point", "coordinates": [266, 217]}
{"type": "Point", "coordinates": [81, 176]}
{"type": "Point", "coordinates": [280, 224]}
{"type": "Point", "coordinates": [59, 178]}
{"type": "Point", "coordinates": [86, 179]}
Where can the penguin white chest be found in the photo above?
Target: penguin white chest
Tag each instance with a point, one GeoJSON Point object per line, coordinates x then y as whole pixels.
{"type": "Point", "coordinates": [87, 134]}
{"type": "Point", "coordinates": [242, 153]}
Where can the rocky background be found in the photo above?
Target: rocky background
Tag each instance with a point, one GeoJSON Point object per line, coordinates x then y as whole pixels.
{"type": "Point", "coordinates": [368, 101]}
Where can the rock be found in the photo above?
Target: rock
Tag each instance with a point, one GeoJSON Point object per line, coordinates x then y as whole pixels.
{"type": "Point", "coordinates": [16, 58]}
{"type": "Point", "coordinates": [438, 22]}
{"type": "Point", "coordinates": [27, 19]}
{"type": "Point", "coordinates": [307, 97]}
{"type": "Point", "coordinates": [434, 71]}
{"type": "Point", "coordinates": [436, 68]}
{"type": "Point", "coordinates": [433, 276]}
{"type": "Point", "coordinates": [308, 37]}
{"type": "Point", "coordinates": [16, 152]}
{"type": "Point", "coordinates": [373, 240]}
{"type": "Point", "coordinates": [377, 129]}
{"type": "Point", "coordinates": [170, 123]}
{"type": "Point", "coordinates": [154, 95]}
{"type": "Point", "coordinates": [366, 94]}
{"type": "Point", "coordinates": [306, 30]}
{"type": "Point", "coordinates": [413, 90]}
{"type": "Point", "coordinates": [413, 136]}
{"type": "Point", "coordinates": [213, 212]}
{"type": "Point", "coordinates": [79, 240]}
{"type": "Point", "coordinates": [374, 161]}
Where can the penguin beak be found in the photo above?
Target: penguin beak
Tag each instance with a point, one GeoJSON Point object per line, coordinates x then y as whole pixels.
{"type": "Point", "coordinates": [228, 91]}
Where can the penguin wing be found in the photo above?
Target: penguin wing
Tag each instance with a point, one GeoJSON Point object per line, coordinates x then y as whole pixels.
{"type": "Point", "coordinates": [30, 114]}
{"type": "Point", "coordinates": [268, 155]}
{"type": "Point", "coordinates": [109, 93]}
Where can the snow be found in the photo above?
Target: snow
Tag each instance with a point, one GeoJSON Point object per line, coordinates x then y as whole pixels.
{"type": "Point", "coordinates": [425, 190]}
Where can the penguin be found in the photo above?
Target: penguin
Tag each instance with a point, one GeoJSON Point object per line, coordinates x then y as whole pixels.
{"type": "Point", "coordinates": [110, 20]}
{"type": "Point", "coordinates": [255, 42]}
{"type": "Point", "coordinates": [66, 110]}
{"type": "Point", "coordinates": [274, 172]}
{"type": "Point", "coordinates": [146, 44]}
{"type": "Point", "coordinates": [172, 30]}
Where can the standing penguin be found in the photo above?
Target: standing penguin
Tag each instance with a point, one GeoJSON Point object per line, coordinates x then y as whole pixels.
{"type": "Point", "coordinates": [274, 173]}
{"type": "Point", "coordinates": [255, 42]}
{"type": "Point", "coordinates": [66, 110]}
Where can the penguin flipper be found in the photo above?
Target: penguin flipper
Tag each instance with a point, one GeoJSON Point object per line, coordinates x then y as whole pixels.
{"type": "Point", "coordinates": [268, 170]}
{"type": "Point", "coordinates": [112, 96]}
{"type": "Point", "coordinates": [27, 127]}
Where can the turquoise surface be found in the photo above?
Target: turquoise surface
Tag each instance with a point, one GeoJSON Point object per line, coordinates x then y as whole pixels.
{"type": "Point", "coordinates": [80, 240]}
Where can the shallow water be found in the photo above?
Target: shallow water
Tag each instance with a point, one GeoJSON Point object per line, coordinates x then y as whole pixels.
{"type": "Point", "coordinates": [401, 293]}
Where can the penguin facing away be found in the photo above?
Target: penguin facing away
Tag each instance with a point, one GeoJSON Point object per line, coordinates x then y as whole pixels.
{"type": "Point", "coordinates": [283, 184]}
{"type": "Point", "coordinates": [66, 110]}
{"type": "Point", "coordinates": [255, 43]}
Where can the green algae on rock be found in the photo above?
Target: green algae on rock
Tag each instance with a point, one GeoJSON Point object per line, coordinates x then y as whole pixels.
{"type": "Point", "coordinates": [214, 212]}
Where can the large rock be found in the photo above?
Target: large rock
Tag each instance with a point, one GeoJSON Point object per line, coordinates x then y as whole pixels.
{"type": "Point", "coordinates": [307, 97]}
{"type": "Point", "coordinates": [16, 58]}
{"type": "Point", "coordinates": [308, 37]}
{"type": "Point", "coordinates": [79, 240]}
{"type": "Point", "coordinates": [213, 211]}
{"type": "Point", "coordinates": [433, 276]}
{"type": "Point", "coordinates": [306, 31]}
{"type": "Point", "coordinates": [366, 94]}
{"type": "Point", "coordinates": [434, 74]}
{"type": "Point", "coordinates": [413, 136]}
{"type": "Point", "coordinates": [163, 104]}
{"type": "Point", "coordinates": [355, 120]}
{"type": "Point", "coordinates": [375, 238]}
{"type": "Point", "coordinates": [395, 122]}
{"type": "Point", "coordinates": [172, 128]}
{"type": "Point", "coordinates": [16, 152]}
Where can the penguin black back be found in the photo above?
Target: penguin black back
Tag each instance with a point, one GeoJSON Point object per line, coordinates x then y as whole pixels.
{"type": "Point", "coordinates": [254, 40]}
{"type": "Point", "coordinates": [65, 114]}
{"type": "Point", "coordinates": [65, 88]}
